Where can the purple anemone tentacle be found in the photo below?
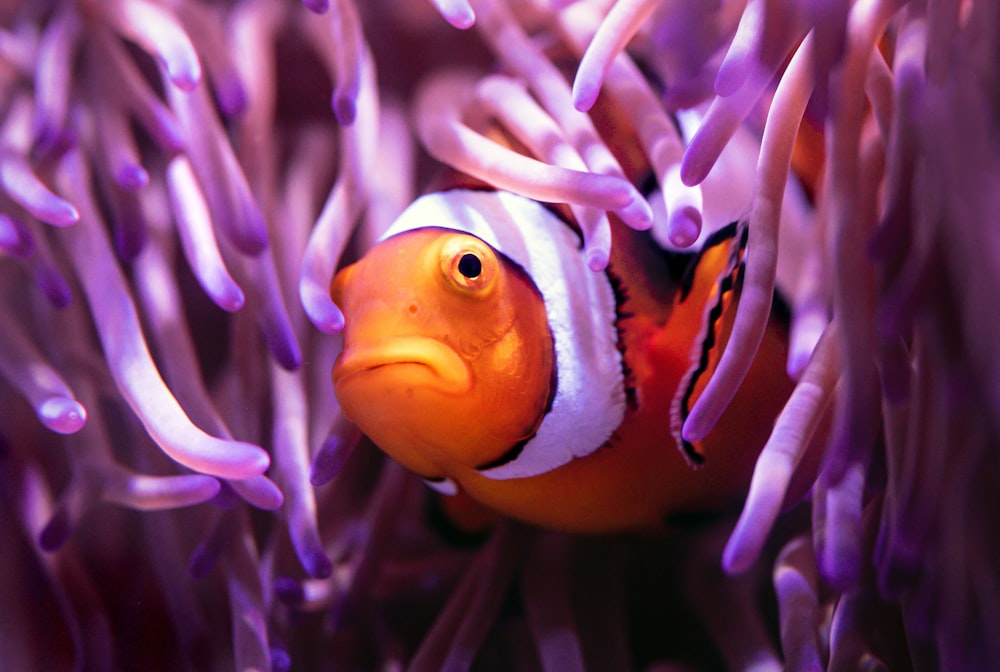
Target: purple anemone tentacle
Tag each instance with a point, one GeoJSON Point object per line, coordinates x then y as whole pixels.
{"type": "Point", "coordinates": [458, 13]}
{"type": "Point", "coordinates": [349, 47]}
{"type": "Point", "coordinates": [48, 273]}
{"type": "Point", "coordinates": [24, 187]}
{"type": "Point", "coordinates": [15, 238]}
{"type": "Point", "coordinates": [546, 591]}
{"type": "Point", "coordinates": [206, 27]}
{"type": "Point", "coordinates": [25, 368]}
{"type": "Point", "coordinates": [251, 648]}
{"type": "Point", "coordinates": [127, 87]}
{"type": "Point", "coordinates": [155, 493]}
{"type": "Point", "coordinates": [509, 101]}
{"type": "Point", "coordinates": [754, 309]}
{"type": "Point", "coordinates": [234, 209]}
{"type": "Point", "coordinates": [291, 444]}
{"type": "Point", "coordinates": [743, 53]}
{"type": "Point", "coordinates": [54, 74]}
{"type": "Point", "coordinates": [125, 348]}
{"type": "Point", "coordinates": [509, 41]}
{"type": "Point", "coordinates": [157, 30]}
{"type": "Point", "coordinates": [797, 589]}
{"type": "Point", "coordinates": [334, 452]}
{"type": "Point", "coordinates": [462, 623]}
{"type": "Point", "coordinates": [781, 455]}
{"type": "Point", "coordinates": [621, 23]}
{"type": "Point", "coordinates": [194, 227]}
{"type": "Point", "coordinates": [440, 128]}
{"type": "Point", "coordinates": [339, 216]}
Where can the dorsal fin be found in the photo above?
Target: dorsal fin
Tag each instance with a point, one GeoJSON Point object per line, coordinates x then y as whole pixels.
{"type": "Point", "coordinates": [711, 282]}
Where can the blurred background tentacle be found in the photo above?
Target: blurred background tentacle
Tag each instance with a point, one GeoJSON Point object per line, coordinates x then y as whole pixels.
{"type": "Point", "coordinates": [181, 179]}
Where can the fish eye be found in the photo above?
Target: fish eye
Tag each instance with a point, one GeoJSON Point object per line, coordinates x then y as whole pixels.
{"type": "Point", "coordinates": [470, 266]}
{"type": "Point", "coordinates": [468, 263]}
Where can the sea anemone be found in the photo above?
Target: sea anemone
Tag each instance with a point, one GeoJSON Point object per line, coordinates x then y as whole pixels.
{"type": "Point", "coordinates": [180, 179]}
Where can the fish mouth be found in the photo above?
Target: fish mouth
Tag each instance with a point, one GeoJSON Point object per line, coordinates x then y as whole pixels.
{"type": "Point", "coordinates": [449, 373]}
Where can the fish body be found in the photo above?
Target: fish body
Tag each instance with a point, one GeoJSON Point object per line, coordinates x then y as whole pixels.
{"type": "Point", "coordinates": [483, 354]}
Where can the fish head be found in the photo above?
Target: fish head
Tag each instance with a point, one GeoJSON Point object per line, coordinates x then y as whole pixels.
{"type": "Point", "coordinates": [447, 360]}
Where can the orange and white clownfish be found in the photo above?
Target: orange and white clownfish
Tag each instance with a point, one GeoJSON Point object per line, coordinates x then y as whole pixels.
{"type": "Point", "coordinates": [482, 353]}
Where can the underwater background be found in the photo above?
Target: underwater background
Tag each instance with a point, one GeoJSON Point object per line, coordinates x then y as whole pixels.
{"type": "Point", "coordinates": [180, 180]}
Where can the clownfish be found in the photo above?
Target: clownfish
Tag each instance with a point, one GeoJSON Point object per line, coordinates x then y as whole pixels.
{"type": "Point", "coordinates": [483, 354]}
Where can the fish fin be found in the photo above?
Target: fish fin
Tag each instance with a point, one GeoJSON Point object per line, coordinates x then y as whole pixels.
{"type": "Point", "coordinates": [712, 284]}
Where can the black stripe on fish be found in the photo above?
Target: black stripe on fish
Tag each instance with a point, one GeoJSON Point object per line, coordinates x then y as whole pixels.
{"type": "Point", "coordinates": [621, 294]}
{"type": "Point", "coordinates": [514, 451]}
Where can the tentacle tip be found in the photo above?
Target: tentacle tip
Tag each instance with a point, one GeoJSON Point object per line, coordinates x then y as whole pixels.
{"type": "Point", "coordinates": [62, 415]}
{"type": "Point", "coordinates": [55, 288]}
{"type": "Point", "coordinates": [289, 590]}
{"type": "Point", "coordinates": [695, 428]}
{"type": "Point", "coordinates": [263, 493]}
{"type": "Point", "coordinates": [10, 236]}
{"type": "Point", "coordinates": [132, 177]}
{"type": "Point", "coordinates": [345, 109]}
{"type": "Point", "coordinates": [223, 291]}
{"type": "Point", "coordinates": [317, 6]}
{"type": "Point", "coordinates": [56, 532]}
{"type": "Point", "coordinates": [275, 502]}
{"type": "Point", "coordinates": [736, 559]}
{"type": "Point", "coordinates": [232, 97]}
{"type": "Point", "coordinates": [337, 321]}
{"type": "Point", "coordinates": [18, 250]}
{"type": "Point", "coordinates": [727, 81]}
{"type": "Point", "coordinates": [15, 239]}
{"type": "Point", "coordinates": [210, 487]}
{"type": "Point", "coordinates": [129, 243]}
{"type": "Point", "coordinates": [44, 133]}
{"type": "Point", "coordinates": [281, 661]}
{"type": "Point", "coordinates": [462, 17]}
{"type": "Point", "coordinates": [597, 258]}
{"type": "Point", "coordinates": [184, 74]}
{"type": "Point", "coordinates": [732, 564]}
{"type": "Point", "coordinates": [172, 140]}
{"type": "Point", "coordinates": [324, 468]}
{"type": "Point", "coordinates": [62, 213]}
{"type": "Point", "coordinates": [638, 214]}
{"type": "Point", "coordinates": [54, 143]}
{"type": "Point", "coordinates": [685, 227]}
{"type": "Point", "coordinates": [642, 225]}
{"type": "Point", "coordinates": [322, 312]}
{"type": "Point", "coordinates": [188, 490]}
{"type": "Point", "coordinates": [261, 461]}
{"type": "Point", "coordinates": [317, 564]}
{"type": "Point", "coordinates": [585, 92]}
{"type": "Point", "coordinates": [230, 298]}
{"type": "Point", "coordinates": [286, 352]}
{"type": "Point", "coordinates": [244, 460]}
{"type": "Point", "coordinates": [252, 242]}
